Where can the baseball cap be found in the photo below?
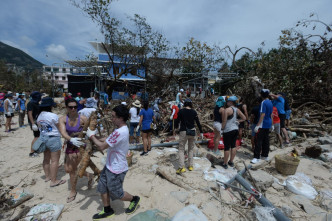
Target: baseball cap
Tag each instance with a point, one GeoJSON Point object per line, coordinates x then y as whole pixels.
{"type": "Point", "coordinates": [181, 90]}
{"type": "Point", "coordinates": [232, 98]}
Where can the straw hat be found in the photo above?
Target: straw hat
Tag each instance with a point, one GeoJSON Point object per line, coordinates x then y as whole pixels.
{"type": "Point", "coordinates": [137, 103]}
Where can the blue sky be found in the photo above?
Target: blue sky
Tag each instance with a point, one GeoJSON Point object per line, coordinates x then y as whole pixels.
{"type": "Point", "coordinates": [53, 31]}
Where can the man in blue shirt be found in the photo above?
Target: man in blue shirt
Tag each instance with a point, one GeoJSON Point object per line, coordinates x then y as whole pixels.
{"type": "Point", "coordinates": [279, 103]}
{"type": "Point", "coordinates": [262, 128]}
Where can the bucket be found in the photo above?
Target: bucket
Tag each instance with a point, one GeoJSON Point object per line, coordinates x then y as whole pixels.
{"type": "Point", "coordinates": [286, 165]}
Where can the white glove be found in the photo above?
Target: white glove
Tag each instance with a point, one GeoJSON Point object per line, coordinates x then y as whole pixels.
{"type": "Point", "coordinates": [8, 114]}
{"type": "Point", "coordinates": [257, 128]}
{"type": "Point", "coordinates": [21, 111]}
{"type": "Point", "coordinates": [171, 117]}
{"type": "Point", "coordinates": [272, 128]}
{"type": "Point", "coordinates": [34, 127]}
{"type": "Point", "coordinates": [90, 133]}
{"type": "Point", "coordinates": [154, 126]}
{"type": "Point", "coordinates": [202, 136]}
{"type": "Point", "coordinates": [76, 141]}
{"type": "Point", "coordinates": [137, 129]}
{"type": "Point", "coordinates": [221, 132]}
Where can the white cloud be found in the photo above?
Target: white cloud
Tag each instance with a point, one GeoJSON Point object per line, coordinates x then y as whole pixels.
{"type": "Point", "coordinates": [57, 51]}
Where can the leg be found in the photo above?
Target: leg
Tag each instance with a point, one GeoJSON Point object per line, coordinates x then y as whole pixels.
{"type": "Point", "coordinates": [46, 164]}
{"type": "Point", "coordinates": [20, 120]}
{"type": "Point", "coordinates": [71, 162]}
{"type": "Point", "coordinates": [259, 142]}
{"type": "Point", "coordinates": [284, 131]}
{"type": "Point", "coordinates": [216, 139]}
{"type": "Point", "coordinates": [33, 141]}
{"type": "Point", "coordinates": [145, 141]}
{"type": "Point", "coordinates": [233, 144]}
{"type": "Point", "coordinates": [182, 143]}
{"type": "Point", "coordinates": [55, 156]}
{"type": "Point", "coordinates": [266, 143]}
{"type": "Point", "coordinates": [240, 133]}
{"type": "Point", "coordinates": [226, 156]}
{"type": "Point", "coordinates": [149, 141]}
{"type": "Point", "coordinates": [191, 144]}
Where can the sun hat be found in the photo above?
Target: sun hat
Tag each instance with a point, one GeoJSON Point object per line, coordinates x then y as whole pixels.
{"type": "Point", "coordinates": [124, 103]}
{"type": "Point", "coordinates": [47, 102]}
{"type": "Point", "coordinates": [90, 102]}
{"type": "Point", "coordinates": [220, 101]}
{"type": "Point", "coordinates": [181, 90]}
{"type": "Point", "coordinates": [137, 103]}
{"type": "Point", "coordinates": [9, 92]}
{"type": "Point", "coordinates": [232, 98]}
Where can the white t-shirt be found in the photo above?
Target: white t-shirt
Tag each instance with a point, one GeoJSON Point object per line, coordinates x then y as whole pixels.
{"type": "Point", "coordinates": [134, 117]}
{"type": "Point", "coordinates": [87, 111]}
{"type": "Point", "coordinates": [118, 141]}
{"type": "Point", "coordinates": [47, 124]}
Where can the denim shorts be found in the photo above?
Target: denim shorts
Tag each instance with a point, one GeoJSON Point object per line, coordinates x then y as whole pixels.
{"type": "Point", "coordinates": [47, 142]}
{"type": "Point", "coordinates": [132, 127]}
{"type": "Point", "coordinates": [111, 183]}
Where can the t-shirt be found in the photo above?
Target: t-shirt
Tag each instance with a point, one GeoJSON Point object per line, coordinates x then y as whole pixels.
{"type": "Point", "coordinates": [147, 118]}
{"type": "Point", "coordinates": [175, 116]}
{"type": "Point", "coordinates": [105, 98]}
{"type": "Point", "coordinates": [47, 124]}
{"type": "Point", "coordinates": [87, 111]}
{"type": "Point", "coordinates": [266, 107]}
{"type": "Point", "coordinates": [187, 118]}
{"type": "Point", "coordinates": [275, 116]}
{"type": "Point", "coordinates": [178, 98]}
{"type": "Point", "coordinates": [255, 111]}
{"type": "Point", "coordinates": [34, 107]}
{"type": "Point", "coordinates": [279, 103]}
{"type": "Point", "coordinates": [134, 118]}
{"type": "Point", "coordinates": [22, 103]}
{"type": "Point", "coordinates": [118, 141]}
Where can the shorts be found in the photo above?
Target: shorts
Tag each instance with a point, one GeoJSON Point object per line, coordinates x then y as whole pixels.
{"type": "Point", "coordinates": [230, 139]}
{"type": "Point", "coordinates": [217, 126]}
{"type": "Point", "coordinates": [12, 115]}
{"type": "Point", "coordinates": [132, 127]}
{"type": "Point", "coordinates": [35, 133]}
{"type": "Point", "coordinates": [111, 183]}
{"type": "Point", "coordinates": [277, 128]}
{"type": "Point", "coordinates": [241, 125]}
{"type": "Point", "coordinates": [147, 131]}
{"type": "Point", "coordinates": [288, 113]}
{"type": "Point", "coordinates": [252, 127]}
{"type": "Point", "coordinates": [47, 142]}
{"type": "Point", "coordinates": [282, 120]}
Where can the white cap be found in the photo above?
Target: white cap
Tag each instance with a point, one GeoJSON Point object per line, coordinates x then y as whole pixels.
{"type": "Point", "coordinates": [181, 90]}
{"type": "Point", "coordinates": [124, 103]}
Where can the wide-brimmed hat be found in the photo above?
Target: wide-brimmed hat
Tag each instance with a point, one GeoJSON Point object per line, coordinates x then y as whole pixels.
{"type": "Point", "coordinates": [90, 102]}
{"type": "Point", "coordinates": [137, 103]}
{"type": "Point", "coordinates": [47, 102]}
{"type": "Point", "coordinates": [36, 95]}
{"type": "Point", "coordinates": [9, 92]}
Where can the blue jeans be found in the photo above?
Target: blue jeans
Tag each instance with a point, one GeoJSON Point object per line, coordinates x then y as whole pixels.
{"type": "Point", "coordinates": [132, 129]}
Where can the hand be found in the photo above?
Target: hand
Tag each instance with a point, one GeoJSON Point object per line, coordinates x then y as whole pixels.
{"type": "Point", "coordinates": [154, 126]}
{"type": "Point", "coordinates": [76, 141]}
{"type": "Point", "coordinates": [21, 111]}
{"type": "Point", "coordinates": [90, 133]}
{"type": "Point", "coordinates": [137, 129]}
{"type": "Point", "coordinates": [257, 128]}
{"type": "Point", "coordinates": [202, 136]}
{"type": "Point", "coordinates": [34, 127]}
{"type": "Point", "coordinates": [171, 117]}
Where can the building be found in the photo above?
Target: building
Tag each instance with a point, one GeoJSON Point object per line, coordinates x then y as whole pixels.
{"type": "Point", "coordinates": [59, 75]}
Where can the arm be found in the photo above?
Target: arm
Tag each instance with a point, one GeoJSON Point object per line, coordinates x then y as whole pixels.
{"type": "Point", "coordinates": [6, 106]}
{"type": "Point", "coordinates": [62, 128]}
{"type": "Point", "coordinates": [140, 121]}
{"type": "Point", "coordinates": [261, 119]}
{"type": "Point", "coordinates": [245, 112]}
{"type": "Point", "coordinates": [101, 145]}
{"type": "Point", "coordinates": [243, 117]}
{"type": "Point", "coordinates": [198, 124]}
{"type": "Point", "coordinates": [30, 117]}
{"type": "Point", "coordinates": [19, 104]}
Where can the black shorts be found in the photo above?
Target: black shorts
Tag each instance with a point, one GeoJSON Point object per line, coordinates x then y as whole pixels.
{"type": "Point", "coordinates": [230, 139]}
{"type": "Point", "coordinates": [35, 133]}
{"type": "Point", "coordinates": [241, 125]}
{"type": "Point", "coordinates": [147, 131]}
{"type": "Point", "coordinates": [282, 120]}
{"type": "Point", "coordinates": [12, 115]}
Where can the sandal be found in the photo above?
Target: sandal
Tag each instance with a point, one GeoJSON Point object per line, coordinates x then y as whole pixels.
{"type": "Point", "coordinates": [72, 198]}
{"type": "Point", "coordinates": [59, 183]}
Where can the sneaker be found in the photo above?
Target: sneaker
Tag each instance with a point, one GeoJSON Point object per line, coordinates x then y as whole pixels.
{"type": "Point", "coordinates": [218, 153]}
{"type": "Point", "coordinates": [144, 153]}
{"type": "Point", "coordinates": [224, 165]}
{"type": "Point", "coordinates": [190, 168]}
{"type": "Point", "coordinates": [231, 164]}
{"type": "Point", "coordinates": [133, 205]}
{"type": "Point", "coordinates": [103, 215]}
{"type": "Point", "coordinates": [286, 143]}
{"type": "Point", "coordinates": [266, 158]}
{"type": "Point", "coordinates": [33, 154]}
{"type": "Point", "coordinates": [181, 170]}
{"type": "Point", "coordinates": [255, 160]}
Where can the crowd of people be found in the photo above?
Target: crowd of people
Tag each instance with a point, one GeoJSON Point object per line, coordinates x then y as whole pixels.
{"type": "Point", "coordinates": [270, 113]}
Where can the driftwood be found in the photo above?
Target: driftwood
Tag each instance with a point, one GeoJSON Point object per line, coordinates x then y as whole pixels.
{"type": "Point", "coordinates": [172, 179]}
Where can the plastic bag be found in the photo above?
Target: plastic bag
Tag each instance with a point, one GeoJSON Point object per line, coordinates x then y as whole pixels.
{"type": "Point", "coordinates": [301, 184]}
{"type": "Point", "coordinates": [151, 215]}
{"type": "Point", "coordinates": [220, 174]}
{"type": "Point", "coordinates": [18, 196]}
{"type": "Point", "coordinates": [190, 213]}
{"type": "Point", "coordinates": [45, 212]}
{"type": "Point", "coordinates": [264, 213]}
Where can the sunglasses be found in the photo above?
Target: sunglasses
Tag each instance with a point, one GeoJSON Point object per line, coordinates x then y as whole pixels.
{"type": "Point", "coordinates": [72, 107]}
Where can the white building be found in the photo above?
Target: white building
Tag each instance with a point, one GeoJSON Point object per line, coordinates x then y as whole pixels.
{"type": "Point", "coordinates": [59, 74]}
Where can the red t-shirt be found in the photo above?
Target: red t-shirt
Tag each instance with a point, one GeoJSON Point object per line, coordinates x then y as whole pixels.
{"type": "Point", "coordinates": [175, 116]}
{"type": "Point", "coordinates": [275, 116]}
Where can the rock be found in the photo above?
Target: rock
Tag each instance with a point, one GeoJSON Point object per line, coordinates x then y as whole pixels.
{"type": "Point", "coordinates": [325, 140]}
{"type": "Point", "coordinates": [326, 147]}
{"type": "Point", "coordinates": [322, 217]}
{"type": "Point", "coordinates": [287, 210]}
{"type": "Point", "coordinates": [314, 151]}
{"type": "Point", "coordinates": [277, 186]}
{"type": "Point", "coordinates": [180, 195]}
{"type": "Point", "coordinates": [191, 213]}
{"type": "Point", "coordinates": [306, 205]}
{"type": "Point", "coordinates": [273, 148]}
{"type": "Point", "coordinates": [211, 211]}
{"type": "Point", "coordinates": [263, 179]}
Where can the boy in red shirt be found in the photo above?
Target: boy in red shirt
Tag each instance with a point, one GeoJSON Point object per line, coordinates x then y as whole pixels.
{"type": "Point", "coordinates": [276, 124]}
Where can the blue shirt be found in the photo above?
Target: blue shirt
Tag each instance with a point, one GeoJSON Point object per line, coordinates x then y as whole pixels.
{"type": "Point", "coordinates": [147, 118]}
{"type": "Point", "coordinates": [267, 108]}
{"type": "Point", "coordinates": [105, 98]}
{"type": "Point", "coordinates": [22, 102]}
{"type": "Point", "coordinates": [279, 103]}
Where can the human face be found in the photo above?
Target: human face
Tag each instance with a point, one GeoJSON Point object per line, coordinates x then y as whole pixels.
{"type": "Point", "coordinates": [72, 107]}
{"type": "Point", "coordinates": [115, 119]}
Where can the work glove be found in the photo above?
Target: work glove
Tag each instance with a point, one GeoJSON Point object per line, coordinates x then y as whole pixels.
{"type": "Point", "coordinates": [171, 117]}
{"type": "Point", "coordinates": [154, 126]}
{"type": "Point", "coordinates": [34, 127]}
{"type": "Point", "coordinates": [76, 141]}
{"type": "Point", "coordinates": [21, 111]}
{"type": "Point", "coordinates": [137, 129]}
{"type": "Point", "coordinates": [257, 128]}
{"type": "Point", "coordinates": [202, 136]}
{"type": "Point", "coordinates": [272, 128]}
{"type": "Point", "coordinates": [8, 114]}
{"type": "Point", "coordinates": [90, 133]}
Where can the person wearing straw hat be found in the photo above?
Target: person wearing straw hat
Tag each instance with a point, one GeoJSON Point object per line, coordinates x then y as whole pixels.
{"type": "Point", "coordinates": [134, 120]}
{"type": "Point", "coordinates": [8, 111]}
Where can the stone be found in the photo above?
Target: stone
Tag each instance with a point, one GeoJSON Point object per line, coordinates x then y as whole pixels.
{"type": "Point", "coordinates": [306, 205]}
{"type": "Point", "coordinates": [277, 186]}
{"type": "Point", "coordinates": [314, 151]}
{"type": "Point", "coordinates": [325, 140]}
{"type": "Point", "coordinates": [273, 148]}
{"type": "Point", "coordinates": [326, 147]}
{"type": "Point", "coordinates": [263, 179]}
{"type": "Point", "coordinates": [322, 217]}
{"type": "Point", "coordinates": [182, 196]}
{"type": "Point", "coordinates": [211, 211]}
{"type": "Point", "coordinates": [287, 210]}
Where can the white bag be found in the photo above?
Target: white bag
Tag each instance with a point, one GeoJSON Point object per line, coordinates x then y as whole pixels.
{"type": "Point", "coordinates": [45, 212]}
{"type": "Point", "coordinates": [190, 213]}
{"type": "Point", "coordinates": [301, 184]}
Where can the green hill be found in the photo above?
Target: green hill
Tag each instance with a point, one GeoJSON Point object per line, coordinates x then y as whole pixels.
{"type": "Point", "coordinates": [18, 57]}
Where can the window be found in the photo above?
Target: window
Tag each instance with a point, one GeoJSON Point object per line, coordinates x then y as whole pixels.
{"type": "Point", "coordinates": [55, 70]}
{"type": "Point", "coordinates": [56, 78]}
{"type": "Point", "coordinates": [63, 78]}
{"type": "Point", "coordinates": [48, 69]}
{"type": "Point", "coordinates": [64, 70]}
